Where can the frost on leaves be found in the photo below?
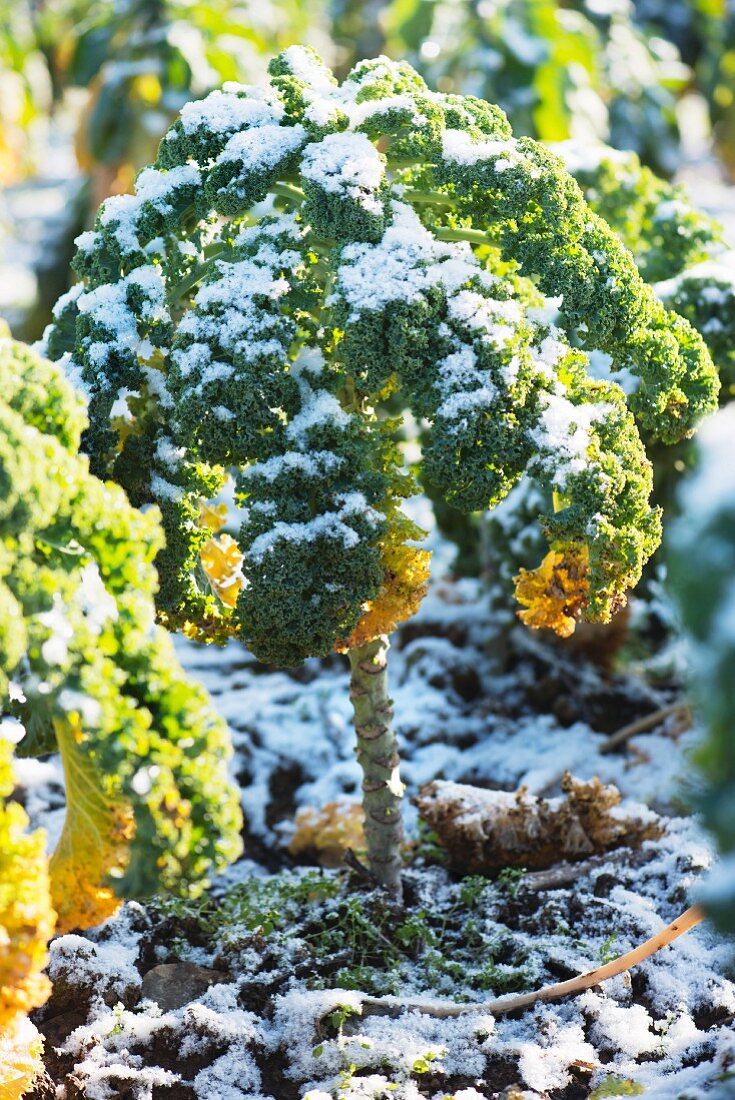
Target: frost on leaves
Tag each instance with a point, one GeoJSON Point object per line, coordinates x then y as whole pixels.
{"type": "Point", "coordinates": [300, 254]}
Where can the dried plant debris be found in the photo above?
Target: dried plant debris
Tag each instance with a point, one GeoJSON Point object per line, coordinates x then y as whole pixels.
{"type": "Point", "coordinates": [325, 834]}
{"type": "Point", "coordinates": [484, 831]}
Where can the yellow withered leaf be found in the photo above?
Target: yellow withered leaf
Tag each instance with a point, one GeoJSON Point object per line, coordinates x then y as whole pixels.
{"type": "Point", "coordinates": [404, 587]}
{"type": "Point", "coordinates": [26, 917]}
{"type": "Point", "coordinates": [124, 427]}
{"type": "Point", "coordinates": [94, 842]}
{"type": "Point", "coordinates": [222, 562]}
{"type": "Point", "coordinates": [554, 593]}
{"type": "Point", "coordinates": [26, 924]}
{"type": "Point", "coordinates": [213, 516]}
{"type": "Point", "coordinates": [21, 1047]}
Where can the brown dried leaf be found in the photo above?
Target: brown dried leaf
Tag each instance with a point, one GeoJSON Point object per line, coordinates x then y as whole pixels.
{"type": "Point", "coordinates": [325, 834]}
{"type": "Point", "coordinates": [484, 831]}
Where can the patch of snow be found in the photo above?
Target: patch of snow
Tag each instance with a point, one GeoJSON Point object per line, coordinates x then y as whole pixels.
{"type": "Point", "coordinates": [346, 164]}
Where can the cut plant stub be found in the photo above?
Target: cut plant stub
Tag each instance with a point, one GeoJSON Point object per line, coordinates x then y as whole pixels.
{"type": "Point", "coordinates": [485, 831]}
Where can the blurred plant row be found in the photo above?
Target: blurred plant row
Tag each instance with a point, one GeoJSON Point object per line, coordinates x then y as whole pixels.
{"type": "Point", "coordinates": [107, 78]}
{"type": "Point", "coordinates": [613, 70]}
{"type": "Point", "coordinates": [132, 65]}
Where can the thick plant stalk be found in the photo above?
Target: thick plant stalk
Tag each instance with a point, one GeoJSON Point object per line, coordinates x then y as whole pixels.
{"type": "Point", "coordinates": [443, 1009]}
{"type": "Point", "coordinates": [378, 756]}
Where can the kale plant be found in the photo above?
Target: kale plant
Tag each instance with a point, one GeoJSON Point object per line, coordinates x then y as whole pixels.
{"type": "Point", "coordinates": [149, 807]}
{"type": "Point", "coordinates": [682, 253]}
{"type": "Point", "coordinates": [303, 261]}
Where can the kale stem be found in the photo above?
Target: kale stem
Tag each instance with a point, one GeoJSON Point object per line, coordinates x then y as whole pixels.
{"type": "Point", "coordinates": [474, 236]}
{"type": "Point", "coordinates": [196, 274]}
{"type": "Point", "coordinates": [289, 191]}
{"type": "Point", "coordinates": [435, 198]}
{"type": "Point", "coordinates": [378, 757]}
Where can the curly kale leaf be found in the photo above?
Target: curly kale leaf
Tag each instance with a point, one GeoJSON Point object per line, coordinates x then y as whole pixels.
{"type": "Point", "coordinates": [308, 258]}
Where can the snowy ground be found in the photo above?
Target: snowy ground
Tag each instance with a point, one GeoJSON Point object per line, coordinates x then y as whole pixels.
{"type": "Point", "coordinates": [283, 947]}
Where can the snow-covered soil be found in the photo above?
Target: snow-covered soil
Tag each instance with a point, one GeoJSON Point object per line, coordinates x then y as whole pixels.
{"type": "Point", "coordinates": [290, 950]}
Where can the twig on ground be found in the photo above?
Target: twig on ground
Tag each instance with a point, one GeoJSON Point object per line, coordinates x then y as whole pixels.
{"type": "Point", "coordinates": [564, 873]}
{"type": "Point", "coordinates": [377, 1006]}
{"type": "Point", "coordinates": [641, 725]}
{"type": "Point", "coordinates": [649, 722]}
{"type": "Point", "coordinates": [356, 865]}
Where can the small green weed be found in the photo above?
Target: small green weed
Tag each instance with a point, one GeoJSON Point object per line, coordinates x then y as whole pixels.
{"type": "Point", "coordinates": [423, 1063]}
{"type": "Point", "coordinates": [606, 952]}
{"type": "Point", "coordinates": [617, 1086]}
{"type": "Point", "coordinates": [357, 941]}
{"type": "Point", "coordinates": [509, 879]}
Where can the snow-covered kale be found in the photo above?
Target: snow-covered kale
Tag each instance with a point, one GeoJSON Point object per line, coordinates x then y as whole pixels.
{"type": "Point", "coordinates": [303, 253]}
{"type": "Point", "coordinates": [580, 69]}
{"type": "Point", "coordinates": [677, 247]}
{"type": "Point", "coordinates": [680, 251]}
